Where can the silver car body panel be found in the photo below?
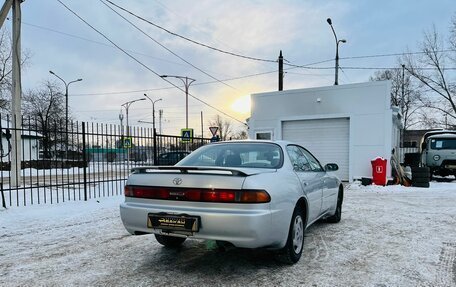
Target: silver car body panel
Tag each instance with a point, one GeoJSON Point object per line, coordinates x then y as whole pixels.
{"type": "Point", "coordinates": [242, 224]}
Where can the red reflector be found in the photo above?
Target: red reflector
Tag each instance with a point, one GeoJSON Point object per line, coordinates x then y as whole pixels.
{"type": "Point", "coordinates": [227, 196]}
{"type": "Point", "coordinates": [193, 195]}
{"type": "Point", "coordinates": [209, 196]}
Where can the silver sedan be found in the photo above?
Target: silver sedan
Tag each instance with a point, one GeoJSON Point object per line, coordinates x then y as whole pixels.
{"type": "Point", "coordinates": [251, 194]}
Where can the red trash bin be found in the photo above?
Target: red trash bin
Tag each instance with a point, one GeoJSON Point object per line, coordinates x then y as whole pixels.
{"type": "Point", "coordinates": [379, 171]}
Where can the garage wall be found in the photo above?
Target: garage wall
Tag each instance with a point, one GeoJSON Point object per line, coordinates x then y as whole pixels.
{"type": "Point", "coordinates": [366, 105]}
{"type": "Point", "coordinates": [327, 139]}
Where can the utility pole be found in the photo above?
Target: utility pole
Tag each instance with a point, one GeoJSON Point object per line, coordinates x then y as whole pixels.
{"type": "Point", "coordinates": [5, 10]}
{"type": "Point", "coordinates": [402, 102]}
{"type": "Point", "coordinates": [202, 127]}
{"type": "Point", "coordinates": [16, 93]}
{"type": "Point", "coordinates": [280, 71]}
{"type": "Point", "coordinates": [403, 81]}
{"type": "Point", "coordinates": [160, 115]}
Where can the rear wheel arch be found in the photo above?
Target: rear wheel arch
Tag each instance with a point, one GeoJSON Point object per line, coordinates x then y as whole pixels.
{"type": "Point", "coordinates": [303, 205]}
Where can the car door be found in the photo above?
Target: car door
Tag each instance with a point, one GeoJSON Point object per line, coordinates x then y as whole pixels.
{"type": "Point", "coordinates": [328, 183]}
{"type": "Point", "coordinates": [310, 180]}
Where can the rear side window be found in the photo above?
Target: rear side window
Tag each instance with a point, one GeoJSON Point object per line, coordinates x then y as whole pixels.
{"type": "Point", "coordinates": [302, 160]}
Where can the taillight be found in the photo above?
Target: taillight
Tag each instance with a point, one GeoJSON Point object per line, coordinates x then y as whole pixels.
{"type": "Point", "coordinates": [198, 194]}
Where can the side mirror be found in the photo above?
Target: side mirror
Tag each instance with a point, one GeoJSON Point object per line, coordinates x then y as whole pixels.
{"type": "Point", "coordinates": [423, 146]}
{"type": "Point", "coordinates": [331, 167]}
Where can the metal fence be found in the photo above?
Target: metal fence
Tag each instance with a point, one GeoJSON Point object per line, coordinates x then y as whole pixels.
{"type": "Point", "coordinates": [403, 150]}
{"type": "Point", "coordinates": [79, 160]}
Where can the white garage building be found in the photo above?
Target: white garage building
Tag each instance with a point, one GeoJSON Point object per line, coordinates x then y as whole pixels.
{"type": "Point", "coordinates": [347, 124]}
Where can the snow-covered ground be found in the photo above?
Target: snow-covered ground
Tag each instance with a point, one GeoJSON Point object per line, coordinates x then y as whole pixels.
{"type": "Point", "coordinates": [388, 236]}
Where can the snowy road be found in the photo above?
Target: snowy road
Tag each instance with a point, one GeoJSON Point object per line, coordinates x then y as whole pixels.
{"type": "Point", "coordinates": [388, 236]}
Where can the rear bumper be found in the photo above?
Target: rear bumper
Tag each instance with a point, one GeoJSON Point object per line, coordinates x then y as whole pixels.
{"type": "Point", "coordinates": [244, 227]}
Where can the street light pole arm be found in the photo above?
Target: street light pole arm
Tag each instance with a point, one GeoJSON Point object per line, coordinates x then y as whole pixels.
{"type": "Point", "coordinates": [334, 32]}
{"type": "Point", "coordinates": [58, 77]}
{"type": "Point", "coordinates": [78, 80]}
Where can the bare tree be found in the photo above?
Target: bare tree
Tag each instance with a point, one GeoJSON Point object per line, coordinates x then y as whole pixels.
{"type": "Point", "coordinates": [224, 126]}
{"type": "Point", "coordinates": [405, 94]}
{"type": "Point", "coordinates": [430, 68]}
{"type": "Point", "coordinates": [241, 135]}
{"type": "Point", "coordinates": [6, 68]}
{"type": "Point", "coordinates": [45, 109]}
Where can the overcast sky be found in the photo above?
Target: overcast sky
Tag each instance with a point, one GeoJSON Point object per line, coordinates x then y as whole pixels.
{"type": "Point", "coordinates": [57, 40]}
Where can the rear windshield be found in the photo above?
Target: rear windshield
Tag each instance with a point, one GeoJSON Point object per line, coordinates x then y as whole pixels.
{"type": "Point", "coordinates": [245, 155]}
{"type": "Point", "coordinates": [443, 143]}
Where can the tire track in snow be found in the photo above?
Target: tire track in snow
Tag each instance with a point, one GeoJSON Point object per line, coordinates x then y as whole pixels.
{"type": "Point", "coordinates": [446, 274]}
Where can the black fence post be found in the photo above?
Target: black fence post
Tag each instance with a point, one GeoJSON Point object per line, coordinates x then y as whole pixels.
{"type": "Point", "coordinates": [84, 158]}
{"type": "Point", "coordinates": [3, 195]}
{"type": "Point", "coordinates": [155, 147]}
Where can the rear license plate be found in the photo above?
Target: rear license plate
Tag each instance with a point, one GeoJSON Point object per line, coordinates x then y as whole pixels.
{"type": "Point", "coordinates": [173, 222]}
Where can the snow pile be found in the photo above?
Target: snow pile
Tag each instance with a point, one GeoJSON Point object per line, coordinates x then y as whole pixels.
{"type": "Point", "coordinates": [388, 236]}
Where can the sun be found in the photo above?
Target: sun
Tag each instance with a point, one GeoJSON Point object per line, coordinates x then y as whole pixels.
{"type": "Point", "coordinates": [241, 105]}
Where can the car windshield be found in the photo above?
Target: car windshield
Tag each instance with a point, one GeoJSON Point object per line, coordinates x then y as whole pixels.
{"type": "Point", "coordinates": [248, 155]}
{"type": "Point", "coordinates": [443, 143]}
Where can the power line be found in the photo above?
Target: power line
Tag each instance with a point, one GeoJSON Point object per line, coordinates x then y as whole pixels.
{"type": "Point", "coordinates": [254, 58]}
{"type": "Point", "coordinates": [393, 54]}
{"type": "Point", "coordinates": [292, 65]}
{"type": "Point", "coordinates": [166, 48]}
{"type": "Point", "coordinates": [145, 66]}
{"type": "Point", "coordinates": [190, 40]}
{"type": "Point", "coordinates": [96, 42]}
{"type": "Point", "coordinates": [168, 88]}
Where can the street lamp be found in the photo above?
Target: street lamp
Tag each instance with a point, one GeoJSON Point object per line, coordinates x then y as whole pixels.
{"type": "Point", "coordinates": [336, 81]}
{"type": "Point", "coordinates": [153, 126]}
{"type": "Point", "coordinates": [127, 106]}
{"type": "Point", "coordinates": [153, 110]}
{"type": "Point", "coordinates": [66, 106]}
{"type": "Point", "coordinates": [187, 82]}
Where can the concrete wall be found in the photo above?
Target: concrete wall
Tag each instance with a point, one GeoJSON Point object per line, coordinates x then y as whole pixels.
{"type": "Point", "coordinates": [367, 105]}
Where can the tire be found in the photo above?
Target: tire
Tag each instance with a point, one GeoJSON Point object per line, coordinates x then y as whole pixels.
{"type": "Point", "coordinates": [420, 170]}
{"type": "Point", "coordinates": [421, 175]}
{"type": "Point", "coordinates": [420, 180]}
{"type": "Point", "coordinates": [169, 241]}
{"type": "Point", "coordinates": [412, 159]}
{"type": "Point", "coordinates": [338, 213]}
{"type": "Point", "coordinates": [292, 251]}
{"type": "Point", "coordinates": [421, 184]}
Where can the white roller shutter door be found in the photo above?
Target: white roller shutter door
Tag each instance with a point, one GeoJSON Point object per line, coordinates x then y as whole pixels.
{"type": "Point", "coordinates": [326, 139]}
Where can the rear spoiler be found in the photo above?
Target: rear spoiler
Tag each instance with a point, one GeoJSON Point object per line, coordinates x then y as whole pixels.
{"type": "Point", "coordinates": [186, 169]}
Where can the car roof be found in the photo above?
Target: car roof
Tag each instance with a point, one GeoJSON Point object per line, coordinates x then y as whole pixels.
{"type": "Point", "coordinates": [439, 133]}
{"type": "Point", "coordinates": [279, 142]}
{"type": "Point", "coordinates": [444, 135]}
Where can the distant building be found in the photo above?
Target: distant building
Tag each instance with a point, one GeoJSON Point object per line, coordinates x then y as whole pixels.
{"type": "Point", "coordinates": [412, 138]}
{"type": "Point", "coordinates": [30, 143]}
{"type": "Point", "coordinates": [345, 124]}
